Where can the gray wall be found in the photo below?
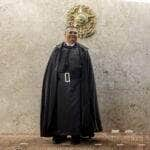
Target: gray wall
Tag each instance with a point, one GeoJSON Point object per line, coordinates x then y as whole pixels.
{"type": "Point", "coordinates": [120, 52]}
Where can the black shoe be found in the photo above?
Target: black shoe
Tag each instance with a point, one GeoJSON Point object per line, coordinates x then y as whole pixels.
{"type": "Point", "coordinates": [59, 139]}
{"type": "Point", "coordinates": [75, 139]}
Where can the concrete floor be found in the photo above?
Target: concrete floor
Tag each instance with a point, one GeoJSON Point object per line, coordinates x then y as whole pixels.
{"type": "Point", "coordinates": [102, 141]}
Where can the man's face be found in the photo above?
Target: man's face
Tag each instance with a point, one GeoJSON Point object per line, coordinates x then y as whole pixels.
{"type": "Point", "coordinates": [71, 35]}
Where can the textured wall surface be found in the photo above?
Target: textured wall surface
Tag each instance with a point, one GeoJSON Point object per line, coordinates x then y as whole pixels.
{"type": "Point", "coordinates": [120, 52]}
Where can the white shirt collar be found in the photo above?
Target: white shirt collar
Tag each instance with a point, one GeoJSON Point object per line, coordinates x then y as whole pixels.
{"type": "Point", "coordinates": [70, 44]}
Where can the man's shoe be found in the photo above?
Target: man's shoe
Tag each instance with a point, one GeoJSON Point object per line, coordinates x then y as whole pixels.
{"type": "Point", "coordinates": [59, 139]}
{"type": "Point", "coordinates": [75, 139]}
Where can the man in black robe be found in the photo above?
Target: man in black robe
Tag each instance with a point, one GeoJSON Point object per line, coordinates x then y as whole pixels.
{"type": "Point", "coordinates": [69, 101]}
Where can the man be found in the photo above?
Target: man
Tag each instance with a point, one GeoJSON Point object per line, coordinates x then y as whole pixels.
{"type": "Point", "coordinates": [69, 101]}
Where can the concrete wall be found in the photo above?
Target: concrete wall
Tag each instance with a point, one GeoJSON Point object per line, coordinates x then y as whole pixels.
{"type": "Point", "coordinates": [120, 52]}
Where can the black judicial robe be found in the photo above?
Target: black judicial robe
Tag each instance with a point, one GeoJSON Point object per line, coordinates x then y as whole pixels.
{"type": "Point", "coordinates": [88, 120]}
{"type": "Point", "coordinates": [68, 93]}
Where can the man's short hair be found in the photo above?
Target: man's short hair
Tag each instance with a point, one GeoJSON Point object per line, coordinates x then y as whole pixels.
{"type": "Point", "coordinates": [69, 27]}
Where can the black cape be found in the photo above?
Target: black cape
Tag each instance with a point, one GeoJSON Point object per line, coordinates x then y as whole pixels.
{"type": "Point", "coordinates": [90, 117]}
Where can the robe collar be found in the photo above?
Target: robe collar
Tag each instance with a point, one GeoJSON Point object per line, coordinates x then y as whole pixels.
{"type": "Point", "coordinates": [65, 44]}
